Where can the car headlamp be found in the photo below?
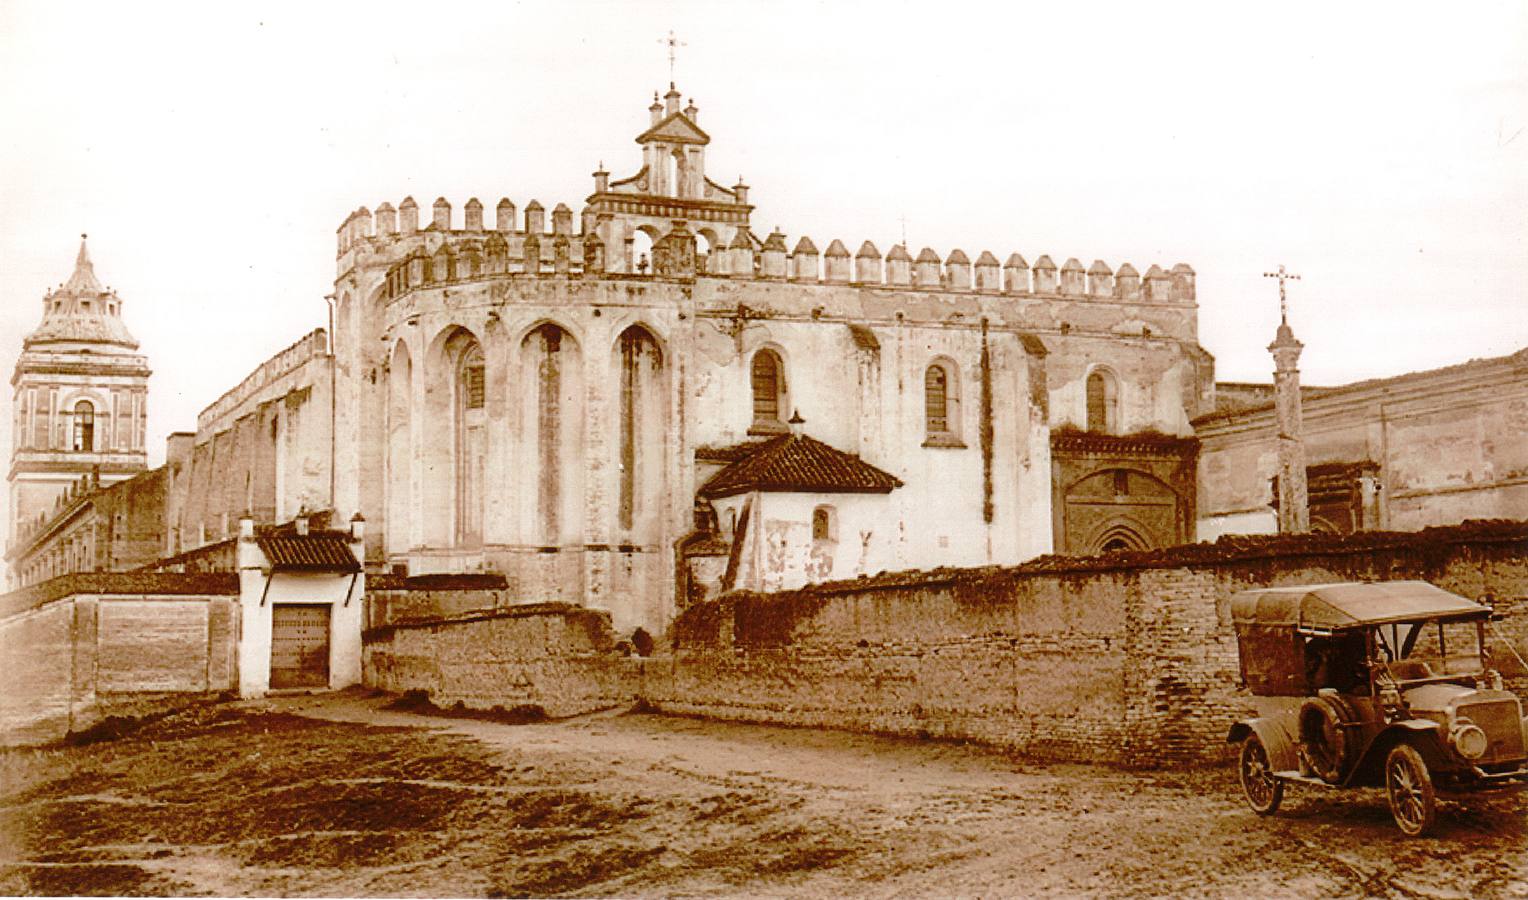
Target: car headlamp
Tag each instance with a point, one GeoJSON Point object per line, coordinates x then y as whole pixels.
{"type": "Point", "coordinates": [1470, 740]}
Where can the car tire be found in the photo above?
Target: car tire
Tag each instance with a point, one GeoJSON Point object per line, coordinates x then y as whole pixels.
{"type": "Point", "coordinates": [1408, 784]}
{"type": "Point", "coordinates": [1263, 791]}
{"type": "Point", "coordinates": [1325, 744]}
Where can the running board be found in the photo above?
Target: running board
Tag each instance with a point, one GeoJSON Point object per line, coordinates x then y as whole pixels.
{"type": "Point", "coordinates": [1293, 775]}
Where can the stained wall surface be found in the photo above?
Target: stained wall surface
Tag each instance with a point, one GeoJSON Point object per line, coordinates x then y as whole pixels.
{"type": "Point", "coordinates": [1451, 445]}
{"type": "Point", "coordinates": [1129, 660]}
{"type": "Point", "coordinates": [74, 659]}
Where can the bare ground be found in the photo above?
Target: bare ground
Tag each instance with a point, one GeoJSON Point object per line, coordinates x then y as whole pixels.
{"type": "Point", "coordinates": [337, 796]}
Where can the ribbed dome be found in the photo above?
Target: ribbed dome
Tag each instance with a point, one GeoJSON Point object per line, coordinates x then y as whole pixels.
{"type": "Point", "coordinates": [82, 311]}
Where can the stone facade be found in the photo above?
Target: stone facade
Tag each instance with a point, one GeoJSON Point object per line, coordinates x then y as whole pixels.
{"type": "Point", "coordinates": [1426, 448]}
{"type": "Point", "coordinates": [94, 529]}
{"type": "Point", "coordinates": [264, 448]}
{"type": "Point", "coordinates": [537, 399]}
{"type": "Point", "coordinates": [1126, 492]}
{"type": "Point", "coordinates": [79, 400]}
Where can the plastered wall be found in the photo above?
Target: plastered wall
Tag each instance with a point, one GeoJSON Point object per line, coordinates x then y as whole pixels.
{"type": "Point", "coordinates": [72, 661]}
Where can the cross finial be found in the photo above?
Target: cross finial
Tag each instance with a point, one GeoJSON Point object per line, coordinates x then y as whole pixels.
{"type": "Point", "coordinates": [673, 44]}
{"type": "Point", "coordinates": [1282, 276]}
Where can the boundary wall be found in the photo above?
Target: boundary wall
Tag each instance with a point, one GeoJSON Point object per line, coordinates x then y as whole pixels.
{"type": "Point", "coordinates": [1127, 660]}
{"type": "Point", "coordinates": [81, 648]}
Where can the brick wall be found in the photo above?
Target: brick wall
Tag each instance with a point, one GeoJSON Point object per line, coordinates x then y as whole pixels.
{"type": "Point", "coordinates": [1128, 659]}
{"type": "Point", "coordinates": [556, 657]}
{"type": "Point", "coordinates": [74, 659]}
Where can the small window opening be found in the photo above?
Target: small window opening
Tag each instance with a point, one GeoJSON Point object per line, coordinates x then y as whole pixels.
{"type": "Point", "coordinates": [822, 523]}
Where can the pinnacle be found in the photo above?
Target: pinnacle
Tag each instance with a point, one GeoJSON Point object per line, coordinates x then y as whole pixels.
{"type": "Point", "coordinates": [83, 281]}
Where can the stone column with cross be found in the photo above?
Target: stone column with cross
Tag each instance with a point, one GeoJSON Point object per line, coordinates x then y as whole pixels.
{"type": "Point", "coordinates": [1293, 500]}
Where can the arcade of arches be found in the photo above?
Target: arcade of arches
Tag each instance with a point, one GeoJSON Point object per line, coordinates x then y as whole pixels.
{"type": "Point", "coordinates": [485, 446]}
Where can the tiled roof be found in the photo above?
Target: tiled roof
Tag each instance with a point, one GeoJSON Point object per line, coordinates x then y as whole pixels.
{"type": "Point", "coordinates": [797, 463]}
{"type": "Point", "coordinates": [310, 552]}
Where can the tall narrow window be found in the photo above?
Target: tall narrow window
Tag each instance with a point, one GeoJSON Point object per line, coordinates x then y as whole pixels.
{"type": "Point", "coordinates": [941, 404]}
{"type": "Point", "coordinates": [470, 449]}
{"type": "Point", "coordinates": [1103, 403]}
{"type": "Point", "coordinates": [768, 391]}
{"type": "Point", "coordinates": [84, 426]}
{"type": "Point", "coordinates": [935, 383]}
{"type": "Point", "coordinates": [640, 433]}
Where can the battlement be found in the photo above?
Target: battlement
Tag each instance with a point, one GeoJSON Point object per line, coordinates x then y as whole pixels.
{"type": "Point", "coordinates": [314, 343]}
{"type": "Point", "coordinates": [391, 223]}
{"type": "Point", "coordinates": [954, 273]}
{"type": "Point", "coordinates": [524, 245]}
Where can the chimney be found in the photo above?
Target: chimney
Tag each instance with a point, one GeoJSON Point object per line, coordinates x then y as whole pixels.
{"type": "Point", "coordinates": [301, 522]}
{"type": "Point", "coordinates": [358, 527]}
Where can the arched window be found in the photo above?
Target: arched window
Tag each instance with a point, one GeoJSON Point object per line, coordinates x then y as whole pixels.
{"type": "Point", "coordinates": [84, 426]}
{"type": "Point", "coordinates": [1103, 403]}
{"type": "Point", "coordinates": [823, 526]}
{"type": "Point", "coordinates": [941, 403]}
{"type": "Point", "coordinates": [769, 396]}
{"type": "Point", "coordinates": [470, 445]}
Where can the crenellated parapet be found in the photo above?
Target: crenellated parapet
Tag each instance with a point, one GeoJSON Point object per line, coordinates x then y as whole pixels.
{"type": "Point", "coordinates": [742, 258]}
{"type": "Point", "coordinates": [538, 244]}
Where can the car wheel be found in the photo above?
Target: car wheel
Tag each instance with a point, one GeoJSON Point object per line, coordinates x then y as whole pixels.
{"type": "Point", "coordinates": [1264, 792]}
{"type": "Point", "coordinates": [1409, 785]}
{"type": "Point", "coordinates": [1324, 740]}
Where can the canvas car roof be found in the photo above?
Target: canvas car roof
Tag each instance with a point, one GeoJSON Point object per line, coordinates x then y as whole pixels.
{"type": "Point", "coordinates": [1350, 604]}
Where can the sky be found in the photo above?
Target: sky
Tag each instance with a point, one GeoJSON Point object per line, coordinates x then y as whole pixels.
{"type": "Point", "coordinates": [211, 150]}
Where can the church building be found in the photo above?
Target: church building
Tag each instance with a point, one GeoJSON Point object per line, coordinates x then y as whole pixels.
{"type": "Point", "coordinates": [80, 405]}
{"type": "Point", "coordinates": [649, 402]}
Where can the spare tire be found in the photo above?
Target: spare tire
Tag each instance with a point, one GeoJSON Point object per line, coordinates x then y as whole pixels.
{"type": "Point", "coordinates": [1325, 743]}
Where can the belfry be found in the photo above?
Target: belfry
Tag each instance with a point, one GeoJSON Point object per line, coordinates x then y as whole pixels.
{"type": "Point", "coordinates": [80, 393]}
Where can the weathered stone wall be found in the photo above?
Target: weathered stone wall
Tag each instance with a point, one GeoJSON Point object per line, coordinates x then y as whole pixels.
{"type": "Point", "coordinates": [555, 657]}
{"type": "Point", "coordinates": [264, 447]}
{"type": "Point", "coordinates": [1448, 443]}
{"type": "Point", "coordinates": [74, 656]}
{"type": "Point", "coordinates": [1128, 659]}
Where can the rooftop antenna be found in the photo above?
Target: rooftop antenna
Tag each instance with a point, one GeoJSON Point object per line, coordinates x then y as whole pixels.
{"type": "Point", "coordinates": [1282, 276]}
{"type": "Point", "coordinates": [673, 44]}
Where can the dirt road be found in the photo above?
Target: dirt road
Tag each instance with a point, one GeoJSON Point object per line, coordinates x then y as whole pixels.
{"type": "Point", "coordinates": [337, 796]}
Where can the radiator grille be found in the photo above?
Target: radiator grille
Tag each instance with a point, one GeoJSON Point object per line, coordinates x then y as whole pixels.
{"type": "Point", "coordinates": [1502, 722]}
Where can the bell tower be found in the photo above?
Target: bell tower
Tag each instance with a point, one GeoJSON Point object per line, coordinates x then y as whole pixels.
{"type": "Point", "coordinates": [79, 399]}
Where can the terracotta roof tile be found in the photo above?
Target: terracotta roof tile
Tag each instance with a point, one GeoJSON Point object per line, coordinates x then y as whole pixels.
{"type": "Point", "coordinates": [312, 552]}
{"type": "Point", "coordinates": [797, 463]}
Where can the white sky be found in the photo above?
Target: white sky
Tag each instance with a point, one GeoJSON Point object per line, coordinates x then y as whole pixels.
{"type": "Point", "coordinates": [211, 150]}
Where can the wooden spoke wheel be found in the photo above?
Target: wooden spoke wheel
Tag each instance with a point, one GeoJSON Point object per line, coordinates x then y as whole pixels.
{"type": "Point", "coordinates": [1409, 785]}
{"type": "Point", "coordinates": [1264, 791]}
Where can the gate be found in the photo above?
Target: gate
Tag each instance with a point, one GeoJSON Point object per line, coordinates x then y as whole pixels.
{"type": "Point", "coordinates": [300, 645]}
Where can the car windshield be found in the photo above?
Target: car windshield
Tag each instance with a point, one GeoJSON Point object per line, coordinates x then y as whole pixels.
{"type": "Point", "coordinates": [1426, 650]}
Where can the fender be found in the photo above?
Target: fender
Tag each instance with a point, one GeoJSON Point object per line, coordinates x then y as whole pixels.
{"type": "Point", "coordinates": [1276, 741]}
{"type": "Point", "coordinates": [1420, 733]}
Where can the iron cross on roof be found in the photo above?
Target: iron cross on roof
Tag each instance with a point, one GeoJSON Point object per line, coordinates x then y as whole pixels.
{"type": "Point", "coordinates": [1282, 276]}
{"type": "Point", "coordinates": [673, 44]}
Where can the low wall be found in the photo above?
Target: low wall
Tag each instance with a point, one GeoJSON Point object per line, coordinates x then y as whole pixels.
{"type": "Point", "coordinates": [1128, 659]}
{"type": "Point", "coordinates": [556, 657]}
{"type": "Point", "coordinates": [75, 659]}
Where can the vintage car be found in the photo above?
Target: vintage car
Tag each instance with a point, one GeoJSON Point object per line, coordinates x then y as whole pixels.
{"type": "Point", "coordinates": [1367, 685]}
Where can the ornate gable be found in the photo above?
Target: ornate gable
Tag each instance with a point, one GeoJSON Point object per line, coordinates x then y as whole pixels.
{"type": "Point", "coordinates": [675, 128]}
